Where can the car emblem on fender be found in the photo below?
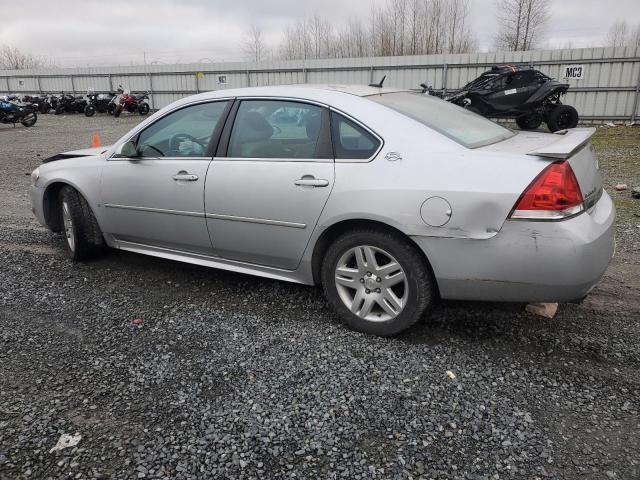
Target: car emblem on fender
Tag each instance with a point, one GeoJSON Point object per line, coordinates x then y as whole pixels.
{"type": "Point", "coordinates": [393, 156]}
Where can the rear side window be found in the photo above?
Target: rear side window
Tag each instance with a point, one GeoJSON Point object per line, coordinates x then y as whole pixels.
{"type": "Point", "coordinates": [350, 140]}
{"type": "Point", "coordinates": [276, 129]}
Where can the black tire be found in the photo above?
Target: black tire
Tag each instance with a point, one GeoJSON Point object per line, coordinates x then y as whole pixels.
{"type": "Point", "coordinates": [89, 110]}
{"type": "Point", "coordinates": [419, 281]}
{"type": "Point", "coordinates": [117, 111]}
{"type": "Point", "coordinates": [529, 122]}
{"type": "Point", "coordinates": [45, 107]}
{"type": "Point", "coordinates": [88, 241]}
{"type": "Point", "coordinates": [111, 108]}
{"type": "Point", "coordinates": [59, 110]}
{"type": "Point", "coordinates": [562, 117]}
{"type": "Point", "coordinates": [143, 108]}
{"type": "Point", "coordinates": [29, 120]}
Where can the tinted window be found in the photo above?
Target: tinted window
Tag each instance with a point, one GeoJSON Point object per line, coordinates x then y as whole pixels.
{"type": "Point", "coordinates": [459, 124]}
{"type": "Point", "coordinates": [350, 140]}
{"type": "Point", "coordinates": [275, 129]}
{"type": "Point", "coordinates": [184, 133]}
{"type": "Point", "coordinates": [522, 79]}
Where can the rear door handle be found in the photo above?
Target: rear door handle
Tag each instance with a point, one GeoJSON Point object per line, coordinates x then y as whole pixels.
{"type": "Point", "coordinates": [184, 176]}
{"type": "Point", "coordinates": [310, 181]}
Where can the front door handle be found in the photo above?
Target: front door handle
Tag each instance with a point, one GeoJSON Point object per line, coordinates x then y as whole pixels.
{"type": "Point", "coordinates": [185, 176]}
{"type": "Point", "coordinates": [311, 181]}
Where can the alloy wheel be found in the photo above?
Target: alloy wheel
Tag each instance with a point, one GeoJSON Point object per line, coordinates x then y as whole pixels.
{"type": "Point", "coordinates": [371, 283]}
{"type": "Point", "coordinates": [68, 226]}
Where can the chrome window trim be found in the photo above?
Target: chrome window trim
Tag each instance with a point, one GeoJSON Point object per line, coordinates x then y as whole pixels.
{"type": "Point", "coordinates": [364, 127]}
{"type": "Point", "coordinates": [274, 159]}
{"type": "Point", "coordinates": [160, 159]}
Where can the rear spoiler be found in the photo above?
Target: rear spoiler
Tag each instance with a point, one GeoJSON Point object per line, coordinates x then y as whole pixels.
{"type": "Point", "coordinates": [569, 141]}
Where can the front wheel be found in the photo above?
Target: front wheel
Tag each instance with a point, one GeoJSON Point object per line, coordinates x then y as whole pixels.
{"type": "Point", "coordinates": [89, 110]}
{"type": "Point", "coordinates": [111, 108]}
{"type": "Point", "coordinates": [378, 282]}
{"type": "Point", "coordinates": [29, 120]}
{"type": "Point", "coordinates": [117, 111]}
{"type": "Point", "coordinates": [562, 117]}
{"type": "Point", "coordinates": [529, 122]}
{"type": "Point", "coordinates": [143, 108]}
{"type": "Point", "coordinates": [83, 237]}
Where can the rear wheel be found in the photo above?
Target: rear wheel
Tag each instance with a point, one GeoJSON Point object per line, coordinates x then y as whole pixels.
{"type": "Point", "coordinates": [562, 117]}
{"type": "Point", "coordinates": [29, 120]}
{"type": "Point", "coordinates": [530, 121]}
{"type": "Point", "coordinates": [376, 281]}
{"type": "Point", "coordinates": [143, 108]}
{"type": "Point", "coordinates": [117, 111]}
{"type": "Point", "coordinates": [89, 110]}
{"type": "Point", "coordinates": [111, 108]}
{"type": "Point", "coordinates": [45, 107]}
{"type": "Point", "coordinates": [83, 238]}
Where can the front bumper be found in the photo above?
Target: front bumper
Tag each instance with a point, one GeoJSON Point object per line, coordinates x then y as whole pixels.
{"type": "Point", "coordinates": [527, 261]}
{"type": "Point", "coordinates": [37, 203]}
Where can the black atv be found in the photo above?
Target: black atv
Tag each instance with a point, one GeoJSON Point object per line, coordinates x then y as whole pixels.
{"type": "Point", "coordinates": [522, 93]}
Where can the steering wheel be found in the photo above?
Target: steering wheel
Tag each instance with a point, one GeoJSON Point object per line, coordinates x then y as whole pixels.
{"type": "Point", "coordinates": [174, 142]}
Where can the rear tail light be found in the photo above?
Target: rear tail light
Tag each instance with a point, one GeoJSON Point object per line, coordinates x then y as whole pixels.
{"type": "Point", "coordinates": [553, 195]}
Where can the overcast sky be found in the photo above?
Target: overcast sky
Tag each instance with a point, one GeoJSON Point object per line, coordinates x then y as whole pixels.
{"type": "Point", "coordinates": [95, 32]}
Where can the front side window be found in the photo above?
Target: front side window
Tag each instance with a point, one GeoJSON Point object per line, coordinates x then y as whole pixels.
{"type": "Point", "coordinates": [276, 129]}
{"type": "Point", "coordinates": [183, 133]}
{"type": "Point", "coordinates": [350, 140]}
{"type": "Point", "coordinates": [457, 123]}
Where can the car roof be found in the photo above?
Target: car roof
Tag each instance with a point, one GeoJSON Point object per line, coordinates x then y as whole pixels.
{"type": "Point", "coordinates": [321, 93]}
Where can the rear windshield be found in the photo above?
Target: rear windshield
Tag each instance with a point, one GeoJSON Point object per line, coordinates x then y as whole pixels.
{"type": "Point", "coordinates": [461, 125]}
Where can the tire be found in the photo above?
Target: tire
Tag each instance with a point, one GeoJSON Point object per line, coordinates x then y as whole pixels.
{"type": "Point", "coordinates": [562, 117]}
{"type": "Point", "coordinates": [143, 108]}
{"type": "Point", "coordinates": [111, 108]}
{"type": "Point", "coordinates": [117, 111]}
{"type": "Point", "coordinates": [59, 110]}
{"type": "Point", "coordinates": [44, 108]}
{"type": "Point", "coordinates": [29, 120]}
{"type": "Point", "coordinates": [83, 237]}
{"type": "Point", "coordinates": [529, 122]}
{"type": "Point", "coordinates": [416, 291]}
{"type": "Point", "coordinates": [89, 110]}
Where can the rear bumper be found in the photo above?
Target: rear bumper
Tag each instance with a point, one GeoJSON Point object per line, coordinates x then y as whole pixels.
{"type": "Point", "coordinates": [527, 261]}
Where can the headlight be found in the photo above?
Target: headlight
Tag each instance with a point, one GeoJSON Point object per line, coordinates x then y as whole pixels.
{"type": "Point", "coordinates": [35, 175]}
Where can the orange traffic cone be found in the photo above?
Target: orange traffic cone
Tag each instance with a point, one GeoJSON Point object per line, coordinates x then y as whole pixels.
{"type": "Point", "coordinates": [95, 141]}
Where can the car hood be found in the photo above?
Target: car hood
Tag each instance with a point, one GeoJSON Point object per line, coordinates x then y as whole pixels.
{"type": "Point", "coordinates": [85, 152]}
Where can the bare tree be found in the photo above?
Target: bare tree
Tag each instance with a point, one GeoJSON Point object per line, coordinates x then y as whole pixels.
{"type": "Point", "coordinates": [618, 34]}
{"type": "Point", "coordinates": [254, 46]}
{"type": "Point", "coordinates": [401, 27]}
{"type": "Point", "coordinates": [522, 23]}
{"type": "Point", "coordinates": [12, 58]}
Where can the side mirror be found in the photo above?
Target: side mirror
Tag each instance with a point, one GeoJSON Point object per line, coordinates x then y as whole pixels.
{"type": "Point", "coordinates": [129, 150]}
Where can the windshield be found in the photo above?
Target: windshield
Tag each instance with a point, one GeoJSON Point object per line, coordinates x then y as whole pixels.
{"type": "Point", "coordinates": [461, 125]}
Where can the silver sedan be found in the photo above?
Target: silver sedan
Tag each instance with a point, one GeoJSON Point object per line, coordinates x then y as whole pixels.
{"type": "Point", "coordinates": [390, 199]}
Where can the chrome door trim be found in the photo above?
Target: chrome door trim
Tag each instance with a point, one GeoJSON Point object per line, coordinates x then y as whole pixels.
{"type": "Point", "coordinates": [274, 159]}
{"type": "Point", "coordinates": [155, 210]}
{"type": "Point", "coordinates": [264, 221]}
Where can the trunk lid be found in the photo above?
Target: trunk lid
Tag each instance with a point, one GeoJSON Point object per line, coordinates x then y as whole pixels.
{"type": "Point", "coordinates": [570, 145]}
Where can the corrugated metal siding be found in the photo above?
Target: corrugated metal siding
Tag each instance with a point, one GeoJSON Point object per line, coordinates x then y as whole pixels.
{"type": "Point", "coordinates": [608, 91]}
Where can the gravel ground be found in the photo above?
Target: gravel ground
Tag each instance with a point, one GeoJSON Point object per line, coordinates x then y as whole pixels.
{"type": "Point", "coordinates": [230, 376]}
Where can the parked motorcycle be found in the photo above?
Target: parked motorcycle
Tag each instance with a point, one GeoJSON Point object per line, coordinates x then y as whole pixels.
{"type": "Point", "coordinates": [132, 103]}
{"type": "Point", "coordinates": [12, 112]}
{"type": "Point", "coordinates": [67, 103]}
{"type": "Point", "coordinates": [97, 103]}
{"type": "Point", "coordinates": [41, 102]}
